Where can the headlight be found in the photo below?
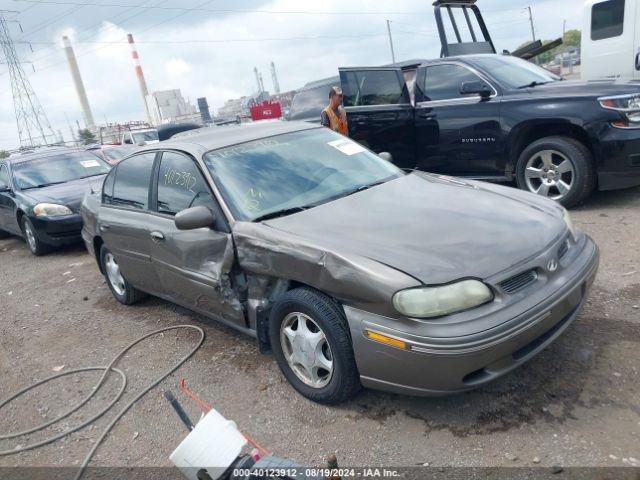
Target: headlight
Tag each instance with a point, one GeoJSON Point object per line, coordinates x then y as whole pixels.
{"type": "Point", "coordinates": [627, 105]}
{"type": "Point", "coordinates": [567, 219]}
{"type": "Point", "coordinates": [439, 301]}
{"type": "Point", "coordinates": [51, 210]}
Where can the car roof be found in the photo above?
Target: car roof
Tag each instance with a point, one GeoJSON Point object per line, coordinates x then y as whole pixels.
{"type": "Point", "coordinates": [42, 153]}
{"type": "Point", "coordinates": [198, 142]}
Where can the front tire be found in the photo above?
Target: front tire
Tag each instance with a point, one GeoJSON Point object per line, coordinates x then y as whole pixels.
{"type": "Point", "coordinates": [36, 246]}
{"type": "Point", "coordinates": [311, 342]}
{"type": "Point", "coordinates": [122, 290]}
{"type": "Point", "coordinates": [559, 168]}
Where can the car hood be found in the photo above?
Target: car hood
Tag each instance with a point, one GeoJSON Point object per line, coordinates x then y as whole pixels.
{"type": "Point", "coordinates": [435, 229]}
{"type": "Point", "coordinates": [69, 194]}
{"type": "Point", "coordinates": [589, 89]}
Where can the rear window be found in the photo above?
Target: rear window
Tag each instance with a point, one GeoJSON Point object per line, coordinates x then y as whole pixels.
{"type": "Point", "coordinates": [131, 185]}
{"type": "Point", "coordinates": [372, 87]}
{"type": "Point", "coordinates": [607, 19]}
{"type": "Point", "coordinates": [308, 104]}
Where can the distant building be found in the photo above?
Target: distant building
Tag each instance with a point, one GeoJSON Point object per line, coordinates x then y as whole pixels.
{"type": "Point", "coordinates": [203, 107]}
{"type": "Point", "coordinates": [167, 106]}
{"type": "Point", "coordinates": [239, 107]}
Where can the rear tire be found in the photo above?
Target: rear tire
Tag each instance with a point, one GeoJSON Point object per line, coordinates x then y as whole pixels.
{"type": "Point", "coordinates": [322, 369]}
{"type": "Point", "coordinates": [560, 168]}
{"type": "Point", "coordinates": [36, 246]}
{"type": "Point", "coordinates": [122, 290]}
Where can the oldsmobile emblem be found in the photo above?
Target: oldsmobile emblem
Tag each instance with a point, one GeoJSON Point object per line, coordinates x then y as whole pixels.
{"type": "Point", "coordinates": [552, 266]}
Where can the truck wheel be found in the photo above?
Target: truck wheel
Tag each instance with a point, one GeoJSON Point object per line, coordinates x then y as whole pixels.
{"type": "Point", "coordinates": [122, 290]}
{"type": "Point", "coordinates": [311, 342]}
{"type": "Point", "coordinates": [559, 168]}
{"type": "Point", "coordinates": [36, 247]}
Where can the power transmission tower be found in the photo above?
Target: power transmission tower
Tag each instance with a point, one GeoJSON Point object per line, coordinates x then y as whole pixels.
{"type": "Point", "coordinates": [33, 126]}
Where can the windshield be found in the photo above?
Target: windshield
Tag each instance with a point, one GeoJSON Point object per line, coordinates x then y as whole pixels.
{"type": "Point", "coordinates": [294, 170]}
{"type": "Point", "coordinates": [513, 72]}
{"type": "Point", "coordinates": [60, 168]}
{"type": "Point", "coordinates": [149, 136]}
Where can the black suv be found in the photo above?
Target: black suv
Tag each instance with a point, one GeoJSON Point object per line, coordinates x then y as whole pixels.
{"type": "Point", "coordinates": [492, 117]}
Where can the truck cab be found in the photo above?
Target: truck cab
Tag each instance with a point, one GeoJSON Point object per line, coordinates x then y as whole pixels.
{"type": "Point", "coordinates": [611, 40]}
{"type": "Point", "coordinates": [139, 137]}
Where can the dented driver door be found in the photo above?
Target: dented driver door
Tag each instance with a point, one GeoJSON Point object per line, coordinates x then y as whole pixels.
{"type": "Point", "coordinates": [193, 265]}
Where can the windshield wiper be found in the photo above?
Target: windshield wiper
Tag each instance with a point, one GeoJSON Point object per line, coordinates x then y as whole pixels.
{"type": "Point", "coordinates": [280, 213]}
{"type": "Point", "coordinates": [44, 185]}
{"type": "Point", "coordinates": [362, 188]}
{"type": "Point", "coordinates": [535, 83]}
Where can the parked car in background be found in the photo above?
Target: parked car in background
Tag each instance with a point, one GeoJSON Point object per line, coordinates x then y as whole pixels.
{"type": "Point", "coordinates": [112, 154]}
{"type": "Point", "coordinates": [349, 269]}
{"type": "Point", "coordinates": [611, 40]}
{"type": "Point", "coordinates": [492, 117]}
{"type": "Point", "coordinates": [41, 192]}
{"type": "Point", "coordinates": [140, 137]}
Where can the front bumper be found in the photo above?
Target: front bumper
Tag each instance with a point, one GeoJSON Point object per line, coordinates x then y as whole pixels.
{"type": "Point", "coordinates": [440, 366]}
{"type": "Point", "coordinates": [58, 231]}
{"type": "Point", "coordinates": [618, 156]}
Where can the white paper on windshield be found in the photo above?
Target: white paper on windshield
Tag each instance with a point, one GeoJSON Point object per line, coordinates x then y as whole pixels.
{"type": "Point", "coordinates": [90, 163]}
{"type": "Point", "coordinates": [348, 147]}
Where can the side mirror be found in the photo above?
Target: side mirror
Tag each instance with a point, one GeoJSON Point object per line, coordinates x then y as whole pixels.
{"type": "Point", "coordinates": [638, 61]}
{"type": "Point", "coordinates": [127, 141]}
{"type": "Point", "coordinates": [386, 156]}
{"type": "Point", "coordinates": [5, 189]}
{"type": "Point", "coordinates": [193, 218]}
{"type": "Point", "coordinates": [476, 88]}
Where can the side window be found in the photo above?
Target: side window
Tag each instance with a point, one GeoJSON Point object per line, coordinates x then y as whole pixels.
{"type": "Point", "coordinates": [443, 82]}
{"type": "Point", "coordinates": [309, 103]}
{"type": "Point", "coordinates": [181, 185]}
{"type": "Point", "coordinates": [131, 185]}
{"type": "Point", "coordinates": [107, 187]}
{"type": "Point", "coordinates": [607, 19]}
{"type": "Point", "coordinates": [4, 176]}
{"type": "Point", "coordinates": [372, 87]}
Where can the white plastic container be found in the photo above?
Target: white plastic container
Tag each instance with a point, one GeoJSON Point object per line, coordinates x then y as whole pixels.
{"type": "Point", "coordinates": [213, 445]}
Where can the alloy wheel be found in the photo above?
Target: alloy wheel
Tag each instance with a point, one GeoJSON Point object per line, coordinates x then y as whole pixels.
{"type": "Point", "coordinates": [306, 350]}
{"type": "Point", "coordinates": [550, 173]}
{"type": "Point", "coordinates": [31, 237]}
{"type": "Point", "coordinates": [113, 274]}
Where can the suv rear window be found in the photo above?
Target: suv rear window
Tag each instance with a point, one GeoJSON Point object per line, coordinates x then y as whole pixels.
{"type": "Point", "coordinates": [607, 19]}
{"type": "Point", "coordinates": [372, 87]}
{"type": "Point", "coordinates": [308, 104]}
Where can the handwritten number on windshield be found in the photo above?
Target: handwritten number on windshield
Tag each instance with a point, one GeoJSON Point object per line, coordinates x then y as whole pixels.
{"type": "Point", "coordinates": [184, 180]}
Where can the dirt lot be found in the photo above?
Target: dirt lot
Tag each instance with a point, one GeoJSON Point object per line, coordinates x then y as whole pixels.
{"type": "Point", "coordinates": [576, 404]}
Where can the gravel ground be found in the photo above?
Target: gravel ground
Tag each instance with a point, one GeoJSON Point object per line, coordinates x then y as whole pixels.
{"type": "Point", "coordinates": [576, 404]}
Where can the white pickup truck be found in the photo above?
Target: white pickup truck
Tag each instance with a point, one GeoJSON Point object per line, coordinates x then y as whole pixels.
{"type": "Point", "coordinates": [139, 137]}
{"type": "Point", "coordinates": [611, 40]}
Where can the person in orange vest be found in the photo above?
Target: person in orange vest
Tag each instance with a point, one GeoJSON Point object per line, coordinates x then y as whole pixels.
{"type": "Point", "coordinates": [333, 116]}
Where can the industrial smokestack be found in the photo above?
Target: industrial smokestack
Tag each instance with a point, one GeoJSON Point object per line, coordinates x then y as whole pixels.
{"type": "Point", "coordinates": [274, 79]}
{"type": "Point", "coordinates": [255, 71]}
{"type": "Point", "coordinates": [260, 82]}
{"type": "Point", "coordinates": [143, 84]}
{"type": "Point", "coordinates": [77, 81]}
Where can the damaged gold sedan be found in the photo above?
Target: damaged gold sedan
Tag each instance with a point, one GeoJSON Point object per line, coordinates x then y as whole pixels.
{"type": "Point", "coordinates": [351, 271]}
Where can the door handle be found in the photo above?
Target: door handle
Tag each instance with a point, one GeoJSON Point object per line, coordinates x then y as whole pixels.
{"type": "Point", "coordinates": [157, 236]}
{"type": "Point", "coordinates": [104, 227]}
{"type": "Point", "coordinates": [426, 115]}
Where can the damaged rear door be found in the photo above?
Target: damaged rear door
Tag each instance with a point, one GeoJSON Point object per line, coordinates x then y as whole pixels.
{"type": "Point", "coordinates": [193, 265]}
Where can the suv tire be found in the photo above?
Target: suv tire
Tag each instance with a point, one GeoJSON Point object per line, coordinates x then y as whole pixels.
{"type": "Point", "coordinates": [122, 290]}
{"type": "Point", "coordinates": [36, 246]}
{"type": "Point", "coordinates": [560, 166]}
{"type": "Point", "coordinates": [308, 325]}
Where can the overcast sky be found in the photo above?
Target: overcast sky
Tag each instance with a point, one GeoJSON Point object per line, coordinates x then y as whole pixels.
{"type": "Point", "coordinates": [212, 53]}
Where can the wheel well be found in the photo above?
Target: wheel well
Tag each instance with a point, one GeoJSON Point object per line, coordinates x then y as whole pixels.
{"type": "Point", "coordinates": [97, 245]}
{"type": "Point", "coordinates": [19, 216]}
{"type": "Point", "coordinates": [531, 133]}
